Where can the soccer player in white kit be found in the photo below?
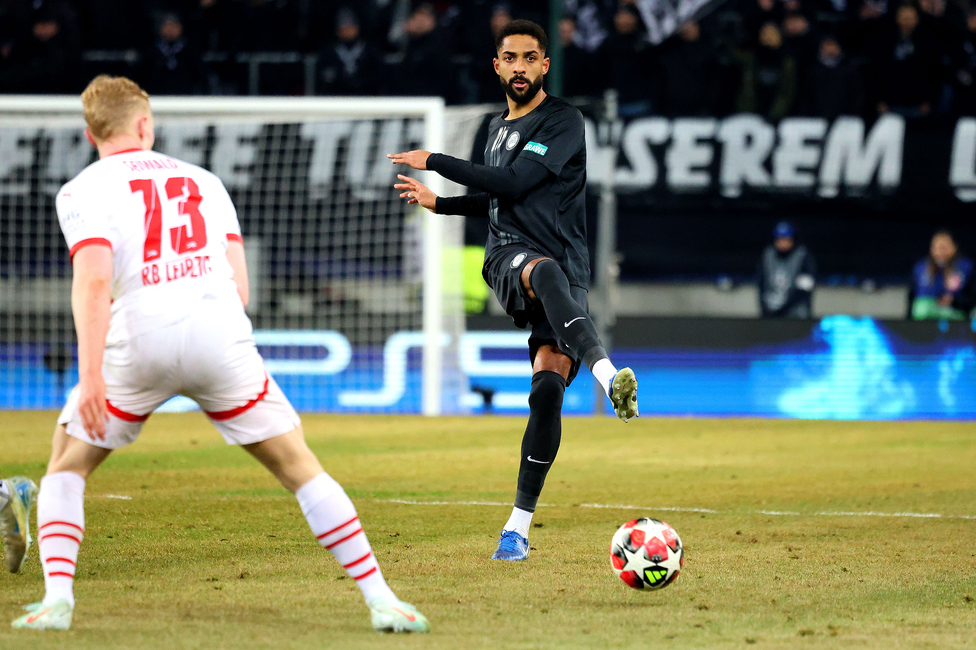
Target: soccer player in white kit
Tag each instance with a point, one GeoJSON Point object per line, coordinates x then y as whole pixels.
{"type": "Point", "coordinates": [158, 298]}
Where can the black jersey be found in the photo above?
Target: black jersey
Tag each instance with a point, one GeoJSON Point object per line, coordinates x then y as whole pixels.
{"type": "Point", "coordinates": [549, 216]}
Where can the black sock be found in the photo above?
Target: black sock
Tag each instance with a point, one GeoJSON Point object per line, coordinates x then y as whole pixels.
{"type": "Point", "coordinates": [542, 434]}
{"type": "Point", "coordinates": [566, 316]}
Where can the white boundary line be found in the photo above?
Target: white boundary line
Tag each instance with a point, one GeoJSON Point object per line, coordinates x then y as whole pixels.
{"type": "Point", "coordinates": [778, 513]}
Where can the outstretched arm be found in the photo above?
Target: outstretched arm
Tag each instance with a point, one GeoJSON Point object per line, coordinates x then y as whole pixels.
{"type": "Point", "coordinates": [512, 182]}
{"type": "Point", "coordinates": [472, 205]}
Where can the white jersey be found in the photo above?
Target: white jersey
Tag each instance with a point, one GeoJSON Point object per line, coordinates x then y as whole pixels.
{"type": "Point", "coordinates": [167, 222]}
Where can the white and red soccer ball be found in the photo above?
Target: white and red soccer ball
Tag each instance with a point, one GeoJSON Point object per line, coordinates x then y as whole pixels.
{"type": "Point", "coordinates": [646, 554]}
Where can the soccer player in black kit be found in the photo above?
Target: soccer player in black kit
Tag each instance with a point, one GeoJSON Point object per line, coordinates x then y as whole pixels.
{"type": "Point", "coordinates": [533, 192]}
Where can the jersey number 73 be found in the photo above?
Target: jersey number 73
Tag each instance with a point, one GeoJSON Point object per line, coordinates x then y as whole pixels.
{"type": "Point", "coordinates": [183, 239]}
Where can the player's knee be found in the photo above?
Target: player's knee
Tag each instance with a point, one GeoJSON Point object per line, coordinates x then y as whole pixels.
{"type": "Point", "coordinates": [288, 457]}
{"type": "Point", "coordinates": [547, 390]}
{"type": "Point", "coordinates": [526, 275]}
{"type": "Point", "coordinates": [74, 455]}
{"type": "Point", "coordinates": [550, 358]}
{"type": "Point", "coordinates": [546, 277]}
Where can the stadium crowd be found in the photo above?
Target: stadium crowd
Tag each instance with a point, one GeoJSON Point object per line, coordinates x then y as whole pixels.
{"type": "Point", "coordinates": [771, 57]}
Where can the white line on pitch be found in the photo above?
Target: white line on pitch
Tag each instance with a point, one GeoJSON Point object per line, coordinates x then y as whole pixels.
{"type": "Point", "coordinates": [412, 502]}
{"type": "Point", "coordinates": [605, 506]}
{"type": "Point", "coordinates": [665, 508]}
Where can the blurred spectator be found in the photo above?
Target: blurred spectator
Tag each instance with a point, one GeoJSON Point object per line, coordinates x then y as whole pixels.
{"type": "Point", "coordinates": [938, 279]}
{"type": "Point", "coordinates": [799, 39]}
{"type": "Point", "coordinates": [917, 59]}
{"type": "Point", "coordinates": [907, 68]}
{"type": "Point", "coordinates": [786, 276]}
{"type": "Point", "coordinates": [964, 300]}
{"type": "Point", "coordinates": [689, 67]}
{"type": "Point", "coordinates": [44, 61]}
{"type": "Point", "coordinates": [626, 64]}
{"type": "Point", "coordinates": [867, 24]}
{"type": "Point", "coordinates": [389, 23]}
{"type": "Point", "coordinates": [270, 25]}
{"type": "Point", "coordinates": [172, 66]}
{"type": "Point", "coordinates": [757, 13]}
{"type": "Point", "coordinates": [350, 66]}
{"type": "Point", "coordinates": [426, 68]}
{"type": "Point", "coordinates": [217, 25]}
{"type": "Point", "coordinates": [768, 77]}
{"type": "Point", "coordinates": [964, 58]}
{"type": "Point", "coordinates": [591, 19]}
{"type": "Point", "coordinates": [115, 25]}
{"type": "Point", "coordinates": [318, 21]}
{"type": "Point", "coordinates": [482, 71]}
{"type": "Point", "coordinates": [580, 67]}
{"type": "Point", "coordinates": [833, 84]}
{"type": "Point", "coordinates": [15, 23]}
{"type": "Point", "coordinates": [943, 23]}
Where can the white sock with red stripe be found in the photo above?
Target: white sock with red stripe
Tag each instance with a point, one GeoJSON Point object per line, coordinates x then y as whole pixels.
{"type": "Point", "coordinates": [60, 529]}
{"type": "Point", "coordinates": [334, 522]}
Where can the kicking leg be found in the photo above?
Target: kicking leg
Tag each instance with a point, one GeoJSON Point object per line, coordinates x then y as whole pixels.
{"type": "Point", "coordinates": [334, 522]}
{"type": "Point", "coordinates": [545, 281]}
{"type": "Point", "coordinates": [61, 528]}
{"type": "Point", "coordinates": [539, 446]}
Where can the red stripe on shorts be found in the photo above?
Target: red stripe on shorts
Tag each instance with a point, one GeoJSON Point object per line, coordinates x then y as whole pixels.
{"type": "Point", "coordinates": [123, 415]}
{"type": "Point", "coordinates": [226, 415]}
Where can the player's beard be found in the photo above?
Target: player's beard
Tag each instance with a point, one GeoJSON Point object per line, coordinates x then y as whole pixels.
{"type": "Point", "coordinates": [524, 97]}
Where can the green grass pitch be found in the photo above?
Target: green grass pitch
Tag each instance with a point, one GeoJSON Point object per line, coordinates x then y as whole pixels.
{"type": "Point", "coordinates": [207, 551]}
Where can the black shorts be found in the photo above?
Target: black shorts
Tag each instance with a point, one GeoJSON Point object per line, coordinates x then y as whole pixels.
{"type": "Point", "coordinates": [503, 272]}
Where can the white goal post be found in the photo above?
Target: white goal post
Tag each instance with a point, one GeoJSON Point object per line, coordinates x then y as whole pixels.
{"type": "Point", "coordinates": [332, 249]}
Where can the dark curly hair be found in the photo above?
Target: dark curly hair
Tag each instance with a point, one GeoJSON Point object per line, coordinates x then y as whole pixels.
{"type": "Point", "coordinates": [524, 28]}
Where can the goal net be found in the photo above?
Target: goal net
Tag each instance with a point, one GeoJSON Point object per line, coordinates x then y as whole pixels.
{"type": "Point", "coordinates": [355, 296]}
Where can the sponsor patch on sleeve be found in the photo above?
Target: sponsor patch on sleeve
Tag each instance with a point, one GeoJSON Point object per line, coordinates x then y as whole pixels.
{"type": "Point", "coordinates": [535, 147]}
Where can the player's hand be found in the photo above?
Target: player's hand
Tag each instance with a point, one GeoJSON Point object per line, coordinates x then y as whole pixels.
{"type": "Point", "coordinates": [416, 159]}
{"type": "Point", "coordinates": [92, 406]}
{"type": "Point", "coordinates": [416, 192]}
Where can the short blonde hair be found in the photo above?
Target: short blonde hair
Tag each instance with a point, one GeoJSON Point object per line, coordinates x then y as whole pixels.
{"type": "Point", "coordinates": [110, 103]}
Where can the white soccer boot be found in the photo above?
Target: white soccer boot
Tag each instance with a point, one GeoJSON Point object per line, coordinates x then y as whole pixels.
{"type": "Point", "coordinates": [15, 521]}
{"type": "Point", "coordinates": [396, 616]}
{"type": "Point", "coordinates": [46, 617]}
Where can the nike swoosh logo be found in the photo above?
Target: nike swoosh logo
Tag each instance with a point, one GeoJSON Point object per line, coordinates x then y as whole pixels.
{"type": "Point", "coordinates": [541, 462]}
{"type": "Point", "coordinates": [34, 617]}
{"type": "Point", "coordinates": [410, 617]}
{"type": "Point", "coordinates": [573, 321]}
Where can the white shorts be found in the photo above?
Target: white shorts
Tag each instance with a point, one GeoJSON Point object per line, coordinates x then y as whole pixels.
{"type": "Point", "coordinates": [211, 358]}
